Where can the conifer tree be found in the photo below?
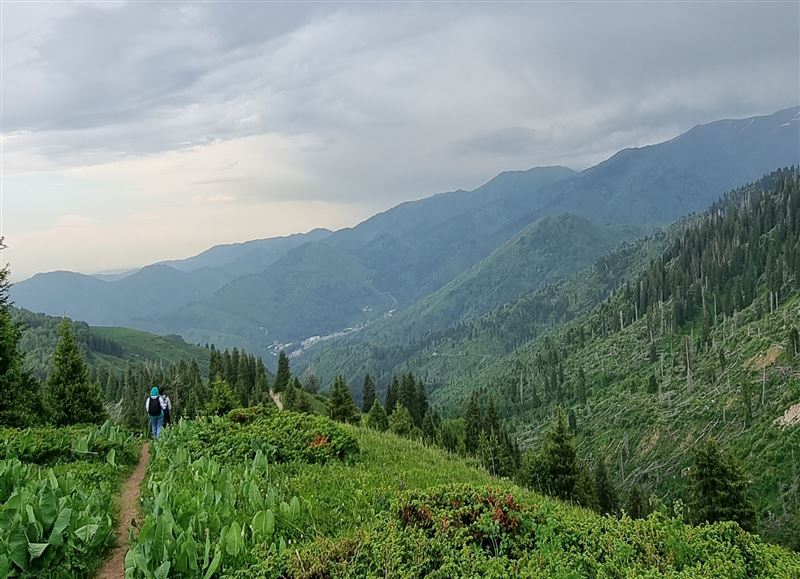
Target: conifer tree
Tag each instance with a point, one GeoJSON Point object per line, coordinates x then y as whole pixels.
{"type": "Point", "coordinates": [392, 393]}
{"type": "Point", "coordinates": [340, 405]}
{"type": "Point", "coordinates": [607, 499]}
{"type": "Point", "coordinates": [70, 396]}
{"type": "Point", "coordinates": [260, 383]}
{"type": "Point", "coordinates": [572, 419]}
{"type": "Point", "coordinates": [222, 398]}
{"type": "Point", "coordinates": [407, 396]}
{"type": "Point", "coordinates": [491, 420]}
{"type": "Point", "coordinates": [215, 367]}
{"type": "Point", "coordinates": [198, 393]}
{"type": "Point", "coordinates": [718, 488]}
{"type": "Point", "coordinates": [421, 401]}
{"type": "Point", "coordinates": [652, 384]}
{"type": "Point", "coordinates": [377, 419]}
{"type": "Point", "coordinates": [302, 402]}
{"type": "Point", "coordinates": [312, 383]}
{"type": "Point", "coordinates": [368, 394]}
{"type": "Point", "coordinates": [794, 342]}
{"type": "Point", "coordinates": [244, 381]}
{"type": "Point", "coordinates": [22, 404]}
{"type": "Point", "coordinates": [472, 424]}
{"type": "Point", "coordinates": [557, 467]}
{"type": "Point", "coordinates": [430, 425]}
{"type": "Point", "coordinates": [290, 396]}
{"type": "Point", "coordinates": [451, 435]}
{"type": "Point", "coordinates": [283, 375]}
{"type": "Point", "coordinates": [636, 505]}
{"type": "Point", "coordinates": [400, 422]}
{"type": "Point", "coordinates": [582, 390]}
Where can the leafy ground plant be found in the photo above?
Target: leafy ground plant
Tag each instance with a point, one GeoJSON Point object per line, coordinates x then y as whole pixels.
{"type": "Point", "coordinates": [49, 445]}
{"type": "Point", "coordinates": [210, 505]}
{"type": "Point", "coordinates": [57, 520]}
{"type": "Point", "coordinates": [51, 524]}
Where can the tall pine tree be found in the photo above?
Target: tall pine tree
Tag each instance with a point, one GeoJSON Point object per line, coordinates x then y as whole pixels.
{"type": "Point", "coordinates": [22, 405]}
{"type": "Point", "coordinates": [377, 419]}
{"type": "Point", "coordinates": [368, 394]}
{"type": "Point", "coordinates": [472, 424]}
{"type": "Point", "coordinates": [718, 488]}
{"type": "Point", "coordinates": [70, 396]}
{"type": "Point", "coordinates": [340, 405]}
{"type": "Point", "coordinates": [283, 375]}
{"type": "Point", "coordinates": [556, 471]}
{"type": "Point", "coordinates": [607, 499]}
{"type": "Point", "coordinates": [392, 392]}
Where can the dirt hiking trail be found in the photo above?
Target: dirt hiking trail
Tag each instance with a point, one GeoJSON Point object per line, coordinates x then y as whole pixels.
{"type": "Point", "coordinates": [114, 567]}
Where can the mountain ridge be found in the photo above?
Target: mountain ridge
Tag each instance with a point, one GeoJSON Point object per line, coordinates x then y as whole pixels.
{"type": "Point", "coordinates": [417, 247]}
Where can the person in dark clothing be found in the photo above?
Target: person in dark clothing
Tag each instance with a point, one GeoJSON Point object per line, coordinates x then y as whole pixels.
{"type": "Point", "coordinates": [166, 404]}
{"type": "Point", "coordinates": [155, 411]}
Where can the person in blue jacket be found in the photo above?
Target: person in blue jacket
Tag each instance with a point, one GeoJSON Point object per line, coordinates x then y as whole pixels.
{"type": "Point", "coordinates": [155, 410]}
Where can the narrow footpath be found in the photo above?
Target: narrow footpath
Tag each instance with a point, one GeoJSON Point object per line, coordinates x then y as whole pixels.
{"type": "Point", "coordinates": [114, 567]}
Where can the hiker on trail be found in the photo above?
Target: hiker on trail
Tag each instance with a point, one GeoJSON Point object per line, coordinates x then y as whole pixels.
{"type": "Point", "coordinates": [155, 410]}
{"type": "Point", "coordinates": [166, 404]}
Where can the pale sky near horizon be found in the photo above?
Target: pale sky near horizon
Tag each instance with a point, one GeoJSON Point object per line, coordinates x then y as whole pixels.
{"type": "Point", "coordinates": [134, 132]}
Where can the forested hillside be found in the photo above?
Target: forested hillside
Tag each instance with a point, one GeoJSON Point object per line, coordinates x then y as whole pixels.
{"type": "Point", "coordinates": [441, 354]}
{"type": "Point", "coordinates": [107, 350]}
{"type": "Point", "coordinates": [703, 344]}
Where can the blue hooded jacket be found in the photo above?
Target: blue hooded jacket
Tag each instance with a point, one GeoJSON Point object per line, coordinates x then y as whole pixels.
{"type": "Point", "coordinates": [153, 394]}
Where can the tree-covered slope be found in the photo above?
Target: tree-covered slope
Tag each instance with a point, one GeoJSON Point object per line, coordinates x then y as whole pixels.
{"type": "Point", "coordinates": [701, 344]}
{"type": "Point", "coordinates": [543, 253]}
{"type": "Point", "coordinates": [453, 353]}
{"type": "Point", "coordinates": [107, 347]}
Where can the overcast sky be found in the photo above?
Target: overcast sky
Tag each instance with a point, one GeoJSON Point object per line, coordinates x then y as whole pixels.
{"type": "Point", "coordinates": [136, 132]}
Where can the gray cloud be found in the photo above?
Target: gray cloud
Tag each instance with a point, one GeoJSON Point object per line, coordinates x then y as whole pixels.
{"type": "Point", "coordinates": [385, 102]}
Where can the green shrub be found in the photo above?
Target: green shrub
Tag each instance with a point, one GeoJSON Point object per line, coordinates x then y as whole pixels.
{"type": "Point", "coordinates": [282, 436]}
{"type": "Point", "coordinates": [460, 530]}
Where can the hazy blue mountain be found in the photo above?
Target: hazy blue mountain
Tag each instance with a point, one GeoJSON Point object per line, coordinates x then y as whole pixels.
{"type": "Point", "coordinates": [254, 256]}
{"type": "Point", "coordinates": [153, 290]}
{"type": "Point", "coordinates": [313, 289]}
{"type": "Point", "coordinates": [417, 247]}
{"type": "Point", "coordinates": [358, 275]}
{"type": "Point", "coordinates": [660, 183]}
{"type": "Point", "coordinates": [125, 297]}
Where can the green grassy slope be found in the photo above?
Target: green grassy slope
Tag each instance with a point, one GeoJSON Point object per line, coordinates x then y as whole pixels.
{"type": "Point", "coordinates": [147, 346]}
{"type": "Point", "coordinates": [109, 348]}
{"type": "Point", "coordinates": [267, 493]}
{"type": "Point", "coordinates": [362, 526]}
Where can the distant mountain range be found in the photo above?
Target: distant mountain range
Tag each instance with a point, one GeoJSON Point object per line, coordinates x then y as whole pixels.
{"type": "Point", "coordinates": [442, 259]}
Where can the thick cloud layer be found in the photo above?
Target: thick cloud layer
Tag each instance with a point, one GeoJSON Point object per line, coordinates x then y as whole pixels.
{"type": "Point", "coordinates": [113, 111]}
